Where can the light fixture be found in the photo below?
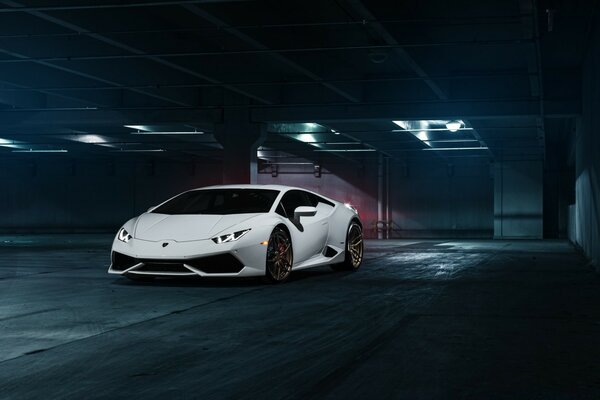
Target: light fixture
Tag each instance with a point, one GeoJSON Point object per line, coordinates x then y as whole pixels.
{"type": "Point", "coordinates": [11, 143]}
{"type": "Point", "coordinates": [453, 126]}
{"type": "Point", "coordinates": [455, 148]}
{"type": "Point", "coordinates": [335, 132]}
{"type": "Point", "coordinates": [306, 138]}
{"type": "Point", "coordinates": [428, 130]}
{"type": "Point", "coordinates": [345, 150]}
{"type": "Point", "coordinates": [41, 151]}
{"type": "Point", "coordinates": [137, 150]}
{"type": "Point", "coordinates": [168, 133]}
{"type": "Point", "coordinates": [137, 127]}
{"type": "Point", "coordinates": [88, 138]}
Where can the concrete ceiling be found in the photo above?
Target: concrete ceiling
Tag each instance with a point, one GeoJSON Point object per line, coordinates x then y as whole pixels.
{"type": "Point", "coordinates": [74, 74]}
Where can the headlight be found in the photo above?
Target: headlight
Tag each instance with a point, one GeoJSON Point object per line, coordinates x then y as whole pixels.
{"type": "Point", "coordinates": [230, 237]}
{"type": "Point", "coordinates": [124, 236]}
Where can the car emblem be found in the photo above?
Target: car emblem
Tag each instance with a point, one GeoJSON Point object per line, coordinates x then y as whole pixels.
{"type": "Point", "coordinates": [165, 244]}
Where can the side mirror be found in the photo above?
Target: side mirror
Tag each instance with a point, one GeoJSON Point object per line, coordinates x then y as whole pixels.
{"type": "Point", "coordinates": [304, 211]}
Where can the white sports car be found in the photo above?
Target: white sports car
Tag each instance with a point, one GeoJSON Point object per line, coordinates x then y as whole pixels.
{"type": "Point", "coordinates": [239, 230]}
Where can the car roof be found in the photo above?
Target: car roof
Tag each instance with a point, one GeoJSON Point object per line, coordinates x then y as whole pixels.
{"type": "Point", "coordinates": [250, 186]}
{"type": "Point", "coordinates": [281, 188]}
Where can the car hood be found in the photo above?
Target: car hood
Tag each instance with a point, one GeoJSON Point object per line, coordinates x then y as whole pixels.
{"type": "Point", "coordinates": [181, 228]}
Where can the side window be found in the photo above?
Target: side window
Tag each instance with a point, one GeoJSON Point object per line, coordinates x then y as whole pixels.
{"type": "Point", "coordinates": [293, 199]}
{"type": "Point", "coordinates": [315, 200]}
{"type": "Point", "coordinates": [279, 210]}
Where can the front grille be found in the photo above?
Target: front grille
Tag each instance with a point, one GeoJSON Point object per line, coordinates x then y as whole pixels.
{"type": "Point", "coordinates": [121, 262]}
{"type": "Point", "coordinates": [219, 264]}
{"type": "Point", "coordinates": [156, 266]}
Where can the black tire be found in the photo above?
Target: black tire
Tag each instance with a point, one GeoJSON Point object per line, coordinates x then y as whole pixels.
{"type": "Point", "coordinates": [354, 249]}
{"type": "Point", "coordinates": [140, 278]}
{"type": "Point", "coordinates": [280, 256]}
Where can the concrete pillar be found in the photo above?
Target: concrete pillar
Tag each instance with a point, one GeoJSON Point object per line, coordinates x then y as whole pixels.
{"type": "Point", "coordinates": [518, 199]}
{"type": "Point", "coordinates": [240, 139]}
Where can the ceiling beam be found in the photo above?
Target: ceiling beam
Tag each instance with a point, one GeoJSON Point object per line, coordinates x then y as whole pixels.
{"type": "Point", "coordinates": [261, 46]}
{"type": "Point", "coordinates": [136, 52]}
{"type": "Point", "coordinates": [272, 52]}
{"type": "Point", "coordinates": [87, 76]}
{"type": "Point", "coordinates": [571, 75]}
{"type": "Point", "coordinates": [359, 9]}
{"type": "Point", "coordinates": [379, 30]}
{"type": "Point", "coordinates": [471, 110]}
{"type": "Point", "coordinates": [131, 4]}
{"type": "Point", "coordinates": [47, 119]}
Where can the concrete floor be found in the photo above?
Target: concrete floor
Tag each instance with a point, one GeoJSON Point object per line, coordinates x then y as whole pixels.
{"type": "Point", "coordinates": [420, 320]}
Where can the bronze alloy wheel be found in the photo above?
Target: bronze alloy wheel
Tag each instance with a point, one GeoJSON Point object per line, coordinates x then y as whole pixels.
{"type": "Point", "coordinates": [279, 256]}
{"type": "Point", "coordinates": [355, 245]}
{"type": "Point", "coordinates": [354, 249]}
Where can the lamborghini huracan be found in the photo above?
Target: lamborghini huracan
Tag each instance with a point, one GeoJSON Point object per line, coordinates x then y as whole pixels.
{"type": "Point", "coordinates": [239, 231]}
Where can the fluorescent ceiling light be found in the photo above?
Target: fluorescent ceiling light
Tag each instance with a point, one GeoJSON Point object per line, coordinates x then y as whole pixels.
{"type": "Point", "coordinates": [306, 138]}
{"type": "Point", "coordinates": [345, 150]}
{"type": "Point", "coordinates": [455, 148]}
{"type": "Point", "coordinates": [454, 126]}
{"type": "Point", "coordinates": [137, 127]}
{"type": "Point", "coordinates": [429, 126]}
{"type": "Point", "coordinates": [41, 151]}
{"type": "Point", "coordinates": [453, 141]}
{"type": "Point", "coordinates": [91, 139]}
{"type": "Point", "coordinates": [422, 136]}
{"type": "Point", "coordinates": [167, 133]}
{"type": "Point", "coordinates": [137, 150]}
{"type": "Point", "coordinates": [13, 144]}
{"type": "Point", "coordinates": [430, 130]}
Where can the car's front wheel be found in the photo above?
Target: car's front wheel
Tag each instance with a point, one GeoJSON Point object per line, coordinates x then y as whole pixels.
{"type": "Point", "coordinates": [354, 249]}
{"type": "Point", "coordinates": [280, 256]}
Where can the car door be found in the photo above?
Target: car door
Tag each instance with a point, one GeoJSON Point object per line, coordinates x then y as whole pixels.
{"type": "Point", "coordinates": [310, 233]}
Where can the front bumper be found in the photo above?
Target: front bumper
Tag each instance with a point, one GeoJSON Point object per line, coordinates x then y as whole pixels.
{"type": "Point", "coordinates": [246, 257]}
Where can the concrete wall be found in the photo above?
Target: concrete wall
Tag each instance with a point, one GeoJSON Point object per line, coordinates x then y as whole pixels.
{"type": "Point", "coordinates": [54, 194]}
{"type": "Point", "coordinates": [434, 199]}
{"type": "Point", "coordinates": [427, 200]}
{"type": "Point", "coordinates": [518, 199]}
{"type": "Point", "coordinates": [353, 184]}
{"type": "Point", "coordinates": [587, 172]}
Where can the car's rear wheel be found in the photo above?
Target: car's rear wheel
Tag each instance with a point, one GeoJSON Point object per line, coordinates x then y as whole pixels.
{"type": "Point", "coordinates": [280, 256]}
{"type": "Point", "coordinates": [140, 277]}
{"type": "Point", "coordinates": [354, 249]}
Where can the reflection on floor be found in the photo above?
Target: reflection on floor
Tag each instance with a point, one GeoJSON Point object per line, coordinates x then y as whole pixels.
{"type": "Point", "coordinates": [420, 320]}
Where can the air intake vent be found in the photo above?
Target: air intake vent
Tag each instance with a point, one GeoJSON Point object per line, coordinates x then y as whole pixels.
{"type": "Point", "coordinates": [121, 262]}
{"type": "Point", "coordinates": [330, 252]}
{"type": "Point", "coordinates": [220, 264]}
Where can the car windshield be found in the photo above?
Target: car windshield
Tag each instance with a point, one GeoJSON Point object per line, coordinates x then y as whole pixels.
{"type": "Point", "coordinates": [219, 201]}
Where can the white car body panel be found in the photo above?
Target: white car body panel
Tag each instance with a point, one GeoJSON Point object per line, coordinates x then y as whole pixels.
{"type": "Point", "coordinates": [159, 238]}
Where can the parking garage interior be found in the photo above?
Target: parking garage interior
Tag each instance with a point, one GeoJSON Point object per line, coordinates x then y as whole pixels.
{"type": "Point", "coordinates": [463, 132]}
